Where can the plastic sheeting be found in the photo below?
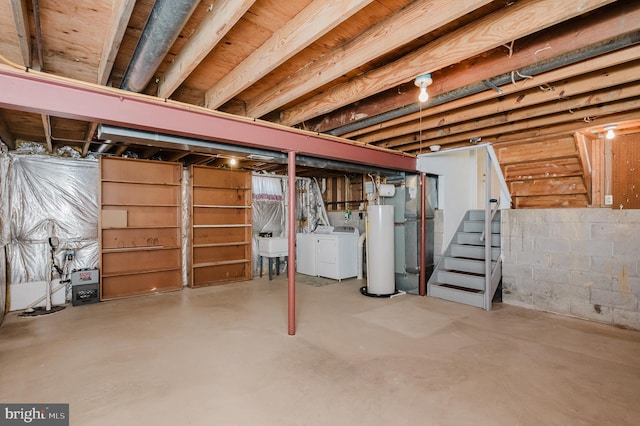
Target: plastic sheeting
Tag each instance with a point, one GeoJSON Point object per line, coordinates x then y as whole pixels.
{"type": "Point", "coordinates": [44, 196]}
{"type": "Point", "coordinates": [270, 208]}
{"type": "Point", "coordinates": [186, 225]}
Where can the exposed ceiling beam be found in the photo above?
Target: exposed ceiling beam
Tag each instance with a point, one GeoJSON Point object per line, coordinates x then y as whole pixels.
{"type": "Point", "coordinates": [564, 129]}
{"type": "Point", "coordinates": [496, 29]}
{"type": "Point", "coordinates": [221, 17]}
{"type": "Point", "coordinates": [21, 18]}
{"type": "Point", "coordinates": [574, 106]}
{"type": "Point", "coordinates": [6, 135]}
{"type": "Point", "coordinates": [81, 101]}
{"type": "Point", "coordinates": [121, 149]}
{"type": "Point", "coordinates": [557, 91]}
{"type": "Point", "coordinates": [46, 125]}
{"type": "Point", "coordinates": [91, 130]}
{"type": "Point", "coordinates": [601, 62]}
{"type": "Point", "coordinates": [409, 23]}
{"type": "Point", "coordinates": [583, 117]}
{"type": "Point", "coordinates": [149, 152]}
{"type": "Point", "coordinates": [584, 31]}
{"type": "Point", "coordinates": [38, 35]}
{"type": "Point", "coordinates": [120, 15]}
{"type": "Point", "coordinates": [177, 155]}
{"type": "Point", "coordinates": [314, 21]}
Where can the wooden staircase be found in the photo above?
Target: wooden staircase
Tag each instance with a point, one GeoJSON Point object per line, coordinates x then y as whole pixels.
{"type": "Point", "coordinates": [460, 275]}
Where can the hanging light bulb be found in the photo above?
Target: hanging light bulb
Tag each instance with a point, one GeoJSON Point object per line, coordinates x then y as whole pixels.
{"type": "Point", "coordinates": [424, 96]}
{"type": "Point", "coordinates": [610, 133]}
{"type": "Point", "coordinates": [233, 161]}
{"type": "Point", "coordinates": [422, 82]}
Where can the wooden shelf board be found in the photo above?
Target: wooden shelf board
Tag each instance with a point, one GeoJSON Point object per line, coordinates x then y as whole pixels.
{"type": "Point", "coordinates": [150, 271]}
{"type": "Point", "coordinates": [212, 206]}
{"type": "Point", "coordinates": [237, 188]}
{"type": "Point", "coordinates": [140, 205]}
{"type": "Point", "coordinates": [139, 248]}
{"type": "Point", "coordinates": [143, 227]}
{"type": "Point", "coordinates": [241, 225]}
{"type": "Point", "coordinates": [224, 262]}
{"type": "Point", "coordinates": [232, 243]}
{"type": "Point", "coordinates": [134, 182]}
{"type": "Point", "coordinates": [219, 282]}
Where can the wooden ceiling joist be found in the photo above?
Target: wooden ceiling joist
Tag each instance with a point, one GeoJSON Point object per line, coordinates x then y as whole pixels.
{"type": "Point", "coordinates": [5, 134]}
{"type": "Point", "coordinates": [603, 61]}
{"type": "Point", "coordinates": [409, 23]}
{"type": "Point", "coordinates": [496, 29]}
{"type": "Point", "coordinates": [584, 32]}
{"type": "Point", "coordinates": [21, 19]}
{"type": "Point", "coordinates": [221, 17]}
{"type": "Point", "coordinates": [543, 114]}
{"type": "Point", "coordinates": [582, 116]}
{"type": "Point", "coordinates": [46, 125]}
{"type": "Point", "coordinates": [120, 16]}
{"type": "Point", "coordinates": [313, 22]}
{"type": "Point", "coordinates": [580, 92]}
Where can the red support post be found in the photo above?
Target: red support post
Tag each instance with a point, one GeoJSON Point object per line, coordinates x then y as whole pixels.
{"type": "Point", "coordinates": [291, 265]}
{"type": "Point", "coordinates": [423, 233]}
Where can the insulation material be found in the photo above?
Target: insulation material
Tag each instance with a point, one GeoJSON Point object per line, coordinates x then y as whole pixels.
{"type": "Point", "coordinates": [310, 208]}
{"type": "Point", "coordinates": [268, 210]}
{"type": "Point", "coordinates": [48, 196]}
{"type": "Point", "coordinates": [3, 283]}
{"type": "Point", "coordinates": [186, 226]}
{"type": "Point", "coordinates": [5, 235]}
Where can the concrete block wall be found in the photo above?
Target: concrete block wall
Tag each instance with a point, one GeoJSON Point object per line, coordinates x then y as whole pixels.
{"type": "Point", "coordinates": [578, 262]}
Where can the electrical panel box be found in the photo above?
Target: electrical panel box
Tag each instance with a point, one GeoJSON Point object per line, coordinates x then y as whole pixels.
{"type": "Point", "coordinates": [85, 276]}
{"type": "Point", "coordinates": [85, 286]}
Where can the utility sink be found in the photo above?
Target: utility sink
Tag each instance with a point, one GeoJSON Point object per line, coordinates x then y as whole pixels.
{"type": "Point", "coordinates": [272, 247]}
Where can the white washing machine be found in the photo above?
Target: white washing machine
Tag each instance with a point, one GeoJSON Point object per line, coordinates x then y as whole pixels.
{"type": "Point", "coordinates": [306, 254]}
{"type": "Point", "coordinates": [330, 253]}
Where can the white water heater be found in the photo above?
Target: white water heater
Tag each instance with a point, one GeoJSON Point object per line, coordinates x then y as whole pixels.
{"type": "Point", "coordinates": [380, 250]}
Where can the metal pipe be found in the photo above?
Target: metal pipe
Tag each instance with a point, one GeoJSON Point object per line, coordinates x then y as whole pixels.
{"type": "Point", "coordinates": [291, 268]}
{"type": "Point", "coordinates": [143, 137]}
{"type": "Point", "coordinates": [423, 233]}
{"type": "Point", "coordinates": [578, 55]}
{"type": "Point", "coordinates": [163, 27]}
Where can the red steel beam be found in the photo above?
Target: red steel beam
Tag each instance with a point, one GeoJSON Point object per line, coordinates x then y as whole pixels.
{"type": "Point", "coordinates": [291, 261]}
{"type": "Point", "coordinates": [43, 94]}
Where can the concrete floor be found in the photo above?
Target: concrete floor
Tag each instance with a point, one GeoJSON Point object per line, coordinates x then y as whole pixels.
{"type": "Point", "coordinates": [222, 356]}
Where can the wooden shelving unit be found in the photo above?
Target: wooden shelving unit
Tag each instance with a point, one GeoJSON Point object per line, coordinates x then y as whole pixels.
{"type": "Point", "coordinates": [221, 226]}
{"type": "Point", "coordinates": [140, 227]}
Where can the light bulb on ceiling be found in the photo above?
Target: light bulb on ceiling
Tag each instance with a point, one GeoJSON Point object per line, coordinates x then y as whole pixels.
{"type": "Point", "coordinates": [422, 82]}
{"type": "Point", "coordinates": [424, 96]}
{"type": "Point", "coordinates": [233, 161]}
{"type": "Point", "coordinates": [610, 133]}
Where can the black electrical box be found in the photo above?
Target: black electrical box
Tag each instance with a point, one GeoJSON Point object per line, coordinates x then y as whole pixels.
{"type": "Point", "coordinates": [83, 294]}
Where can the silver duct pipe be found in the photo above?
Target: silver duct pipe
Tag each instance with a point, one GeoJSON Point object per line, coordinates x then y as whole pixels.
{"type": "Point", "coordinates": [165, 22]}
{"type": "Point", "coordinates": [162, 140]}
{"type": "Point", "coordinates": [589, 52]}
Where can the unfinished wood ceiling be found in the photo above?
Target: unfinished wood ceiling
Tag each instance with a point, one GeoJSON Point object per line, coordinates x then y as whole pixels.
{"type": "Point", "coordinates": [503, 71]}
